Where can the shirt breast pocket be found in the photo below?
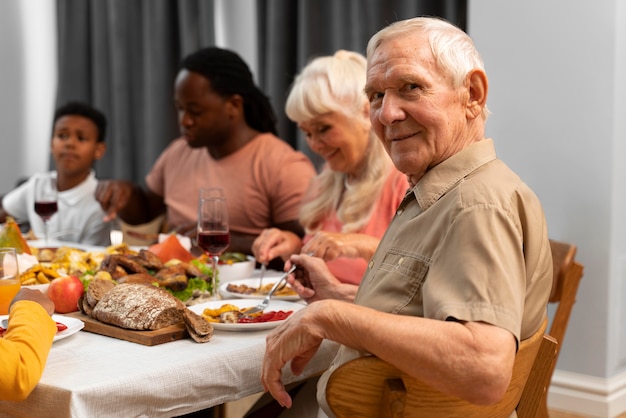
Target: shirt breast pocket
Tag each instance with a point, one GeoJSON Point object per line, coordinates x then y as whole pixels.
{"type": "Point", "coordinates": [396, 284]}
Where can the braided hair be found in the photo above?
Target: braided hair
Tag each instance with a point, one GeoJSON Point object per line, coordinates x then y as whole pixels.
{"type": "Point", "coordinates": [230, 75]}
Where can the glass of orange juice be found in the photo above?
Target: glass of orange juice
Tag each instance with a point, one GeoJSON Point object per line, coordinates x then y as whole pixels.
{"type": "Point", "coordinates": [9, 278]}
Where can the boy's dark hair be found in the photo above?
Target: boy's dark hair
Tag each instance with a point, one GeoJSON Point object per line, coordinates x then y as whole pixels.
{"type": "Point", "coordinates": [84, 110]}
{"type": "Point", "coordinates": [229, 75]}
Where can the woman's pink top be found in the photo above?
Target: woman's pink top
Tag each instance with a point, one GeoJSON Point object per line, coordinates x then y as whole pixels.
{"type": "Point", "coordinates": [350, 270]}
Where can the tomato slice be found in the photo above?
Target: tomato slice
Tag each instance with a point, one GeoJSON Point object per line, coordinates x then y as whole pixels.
{"type": "Point", "coordinates": [60, 327]}
{"type": "Point", "coordinates": [266, 317]}
{"type": "Point", "coordinates": [282, 315]}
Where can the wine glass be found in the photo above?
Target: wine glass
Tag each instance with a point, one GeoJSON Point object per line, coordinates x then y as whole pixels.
{"type": "Point", "coordinates": [213, 234]}
{"type": "Point", "coordinates": [9, 278]}
{"type": "Point", "coordinates": [46, 200]}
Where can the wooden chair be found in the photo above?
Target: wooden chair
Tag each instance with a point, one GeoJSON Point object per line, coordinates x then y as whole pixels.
{"type": "Point", "coordinates": [369, 387]}
{"type": "Point", "coordinates": [567, 273]}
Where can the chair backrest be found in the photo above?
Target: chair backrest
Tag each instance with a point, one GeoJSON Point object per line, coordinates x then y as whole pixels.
{"type": "Point", "coordinates": [567, 273]}
{"type": "Point", "coordinates": [370, 387]}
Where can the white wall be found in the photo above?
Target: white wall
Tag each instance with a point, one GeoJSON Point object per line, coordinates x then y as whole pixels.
{"type": "Point", "coordinates": [557, 94]}
{"type": "Point", "coordinates": [11, 98]}
{"type": "Point", "coordinates": [231, 16]}
{"type": "Point", "coordinates": [557, 74]}
{"type": "Point", "coordinates": [27, 87]}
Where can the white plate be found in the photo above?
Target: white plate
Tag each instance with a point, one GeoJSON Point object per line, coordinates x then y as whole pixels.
{"type": "Point", "coordinates": [43, 288]}
{"type": "Point", "coordinates": [275, 305]}
{"type": "Point", "coordinates": [73, 325]}
{"type": "Point", "coordinates": [254, 283]}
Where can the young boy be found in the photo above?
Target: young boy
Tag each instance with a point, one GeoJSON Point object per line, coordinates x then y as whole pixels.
{"type": "Point", "coordinates": [77, 141]}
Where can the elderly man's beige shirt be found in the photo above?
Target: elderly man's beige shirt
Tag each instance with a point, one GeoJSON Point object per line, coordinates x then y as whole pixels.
{"type": "Point", "coordinates": [468, 242]}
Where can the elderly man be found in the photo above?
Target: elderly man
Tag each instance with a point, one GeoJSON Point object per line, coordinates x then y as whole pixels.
{"type": "Point", "coordinates": [464, 271]}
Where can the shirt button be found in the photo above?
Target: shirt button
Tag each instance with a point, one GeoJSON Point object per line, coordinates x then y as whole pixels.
{"type": "Point", "coordinates": [399, 263]}
{"type": "Point", "coordinates": [399, 212]}
{"type": "Point", "coordinates": [371, 265]}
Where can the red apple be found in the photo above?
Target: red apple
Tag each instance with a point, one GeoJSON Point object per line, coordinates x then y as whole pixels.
{"type": "Point", "coordinates": [65, 292]}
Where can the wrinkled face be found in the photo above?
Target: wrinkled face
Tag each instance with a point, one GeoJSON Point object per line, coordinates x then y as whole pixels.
{"type": "Point", "coordinates": [202, 113]}
{"type": "Point", "coordinates": [75, 145]}
{"type": "Point", "coordinates": [341, 140]}
{"type": "Point", "coordinates": [414, 108]}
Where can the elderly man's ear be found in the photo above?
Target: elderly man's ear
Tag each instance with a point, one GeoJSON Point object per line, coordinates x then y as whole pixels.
{"type": "Point", "coordinates": [477, 85]}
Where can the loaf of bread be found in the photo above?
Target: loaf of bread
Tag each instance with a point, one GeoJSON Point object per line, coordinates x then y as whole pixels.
{"type": "Point", "coordinates": [139, 307]}
{"type": "Point", "coordinates": [96, 290]}
{"type": "Point", "coordinates": [199, 328]}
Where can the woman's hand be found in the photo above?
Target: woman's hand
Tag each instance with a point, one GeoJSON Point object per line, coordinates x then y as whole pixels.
{"type": "Point", "coordinates": [330, 245]}
{"type": "Point", "coordinates": [274, 242]}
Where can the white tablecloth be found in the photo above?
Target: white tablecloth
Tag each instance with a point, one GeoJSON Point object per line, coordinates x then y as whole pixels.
{"type": "Point", "coordinates": [89, 375]}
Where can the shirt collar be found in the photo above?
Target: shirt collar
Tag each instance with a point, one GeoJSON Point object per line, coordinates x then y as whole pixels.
{"type": "Point", "coordinates": [72, 196]}
{"type": "Point", "coordinates": [439, 179]}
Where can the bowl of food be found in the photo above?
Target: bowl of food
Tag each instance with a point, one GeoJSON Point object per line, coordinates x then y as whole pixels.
{"type": "Point", "coordinates": [235, 266]}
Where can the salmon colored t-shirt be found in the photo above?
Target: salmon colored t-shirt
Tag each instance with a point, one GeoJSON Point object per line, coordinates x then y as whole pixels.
{"type": "Point", "coordinates": [351, 270]}
{"type": "Point", "coordinates": [263, 182]}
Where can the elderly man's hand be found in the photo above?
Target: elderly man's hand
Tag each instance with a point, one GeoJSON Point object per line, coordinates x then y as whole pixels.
{"type": "Point", "coordinates": [296, 340]}
{"type": "Point", "coordinates": [313, 281]}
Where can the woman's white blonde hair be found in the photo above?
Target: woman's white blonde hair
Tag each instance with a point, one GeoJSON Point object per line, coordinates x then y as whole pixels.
{"type": "Point", "coordinates": [331, 84]}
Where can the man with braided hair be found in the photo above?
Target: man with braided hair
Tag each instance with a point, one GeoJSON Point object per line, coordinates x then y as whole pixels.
{"type": "Point", "coordinates": [229, 140]}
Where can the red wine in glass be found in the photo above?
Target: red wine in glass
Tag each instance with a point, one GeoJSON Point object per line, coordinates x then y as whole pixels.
{"type": "Point", "coordinates": [46, 200]}
{"type": "Point", "coordinates": [46, 209]}
{"type": "Point", "coordinates": [213, 232]}
{"type": "Point", "coordinates": [213, 242]}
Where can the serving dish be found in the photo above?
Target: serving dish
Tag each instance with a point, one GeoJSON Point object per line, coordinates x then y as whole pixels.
{"type": "Point", "coordinates": [236, 271]}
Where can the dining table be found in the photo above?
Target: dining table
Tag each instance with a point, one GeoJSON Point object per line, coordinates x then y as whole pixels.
{"type": "Point", "coordinates": [90, 375]}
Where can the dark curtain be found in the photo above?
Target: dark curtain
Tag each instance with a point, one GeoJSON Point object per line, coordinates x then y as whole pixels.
{"type": "Point", "coordinates": [122, 57]}
{"type": "Point", "coordinates": [294, 31]}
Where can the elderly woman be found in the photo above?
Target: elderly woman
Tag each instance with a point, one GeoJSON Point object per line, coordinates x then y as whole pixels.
{"type": "Point", "coordinates": [351, 202]}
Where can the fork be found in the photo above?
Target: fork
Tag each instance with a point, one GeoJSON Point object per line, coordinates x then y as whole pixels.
{"type": "Point", "coordinates": [264, 304]}
{"type": "Point", "coordinates": [263, 267]}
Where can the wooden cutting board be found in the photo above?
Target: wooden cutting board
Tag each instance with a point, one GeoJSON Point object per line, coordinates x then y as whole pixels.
{"type": "Point", "coordinates": [159, 336]}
